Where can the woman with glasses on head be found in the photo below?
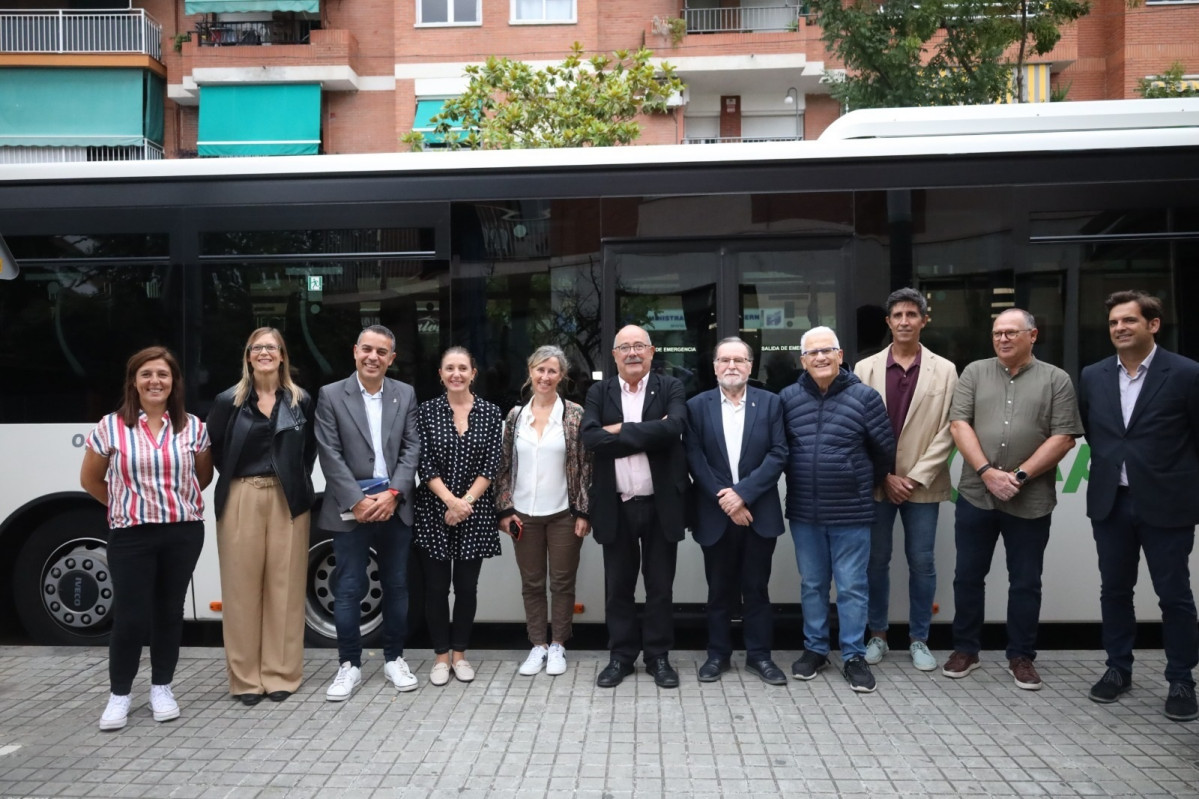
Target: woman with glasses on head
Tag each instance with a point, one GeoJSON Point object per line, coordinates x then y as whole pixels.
{"type": "Point", "coordinates": [264, 446]}
{"type": "Point", "coordinates": [455, 508]}
{"type": "Point", "coordinates": [541, 496]}
{"type": "Point", "coordinates": [148, 463]}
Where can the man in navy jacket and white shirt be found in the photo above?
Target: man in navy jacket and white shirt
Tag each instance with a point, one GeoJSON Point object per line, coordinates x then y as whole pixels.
{"type": "Point", "coordinates": [736, 448]}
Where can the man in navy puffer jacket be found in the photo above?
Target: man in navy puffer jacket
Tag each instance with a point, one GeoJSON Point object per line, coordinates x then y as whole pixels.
{"type": "Point", "coordinates": [840, 446]}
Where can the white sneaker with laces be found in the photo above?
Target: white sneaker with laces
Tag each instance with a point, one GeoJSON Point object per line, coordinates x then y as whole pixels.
{"type": "Point", "coordinates": [533, 662]}
{"type": "Point", "coordinates": [162, 702]}
{"type": "Point", "coordinates": [347, 679]}
{"type": "Point", "coordinates": [400, 675]}
{"type": "Point", "coordinates": [555, 662]}
{"type": "Point", "coordinates": [117, 712]}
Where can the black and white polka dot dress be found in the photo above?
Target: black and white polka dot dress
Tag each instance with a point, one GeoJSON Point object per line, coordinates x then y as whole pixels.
{"type": "Point", "coordinates": [457, 460]}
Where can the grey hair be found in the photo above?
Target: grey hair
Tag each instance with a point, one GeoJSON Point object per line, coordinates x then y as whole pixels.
{"type": "Point", "coordinates": [648, 340]}
{"type": "Point", "coordinates": [803, 342]}
{"type": "Point", "coordinates": [378, 330]}
{"type": "Point", "coordinates": [733, 340]}
{"type": "Point", "coordinates": [1030, 321]}
{"type": "Point", "coordinates": [907, 295]}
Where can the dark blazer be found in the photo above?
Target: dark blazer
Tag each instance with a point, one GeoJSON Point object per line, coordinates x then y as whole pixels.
{"type": "Point", "coordinates": [762, 458]}
{"type": "Point", "coordinates": [343, 438]}
{"type": "Point", "coordinates": [1160, 445]}
{"type": "Point", "coordinates": [660, 436]}
{"type": "Point", "coordinates": [293, 447]}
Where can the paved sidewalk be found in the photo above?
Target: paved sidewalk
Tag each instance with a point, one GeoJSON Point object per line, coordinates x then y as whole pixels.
{"type": "Point", "coordinates": [509, 736]}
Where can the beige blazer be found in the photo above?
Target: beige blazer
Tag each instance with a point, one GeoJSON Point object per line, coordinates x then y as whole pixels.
{"type": "Point", "coordinates": [922, 452]}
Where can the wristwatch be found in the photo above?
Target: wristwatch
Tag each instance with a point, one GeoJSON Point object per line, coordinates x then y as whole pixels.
{"type": "Point", "coordinates": [470, 500]}
{"type": "Point", "coordinates": [982, 469]}
{"type": "Point", "coordinates": [1021, 475]}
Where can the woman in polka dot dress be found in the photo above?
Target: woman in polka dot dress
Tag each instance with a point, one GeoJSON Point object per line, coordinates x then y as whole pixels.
{"type": "Point", "coordinates": [455, 511]}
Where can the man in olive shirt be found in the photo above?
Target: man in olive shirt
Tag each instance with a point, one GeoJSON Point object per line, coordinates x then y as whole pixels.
{"type": "Point", "coordinates": [1013, 418]}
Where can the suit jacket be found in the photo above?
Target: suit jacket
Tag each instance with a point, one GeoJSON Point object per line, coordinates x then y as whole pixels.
{"type": "Point", "coordinates": [762, 458]}
{"type": "Point", "coordinates": [659, 435]}
{"type": "Point", "coordinates": [922, 452]}
{"type": "Point", "coordinates": [1160, 445]}
{"type": "Point", "coordinates": [343, 439]}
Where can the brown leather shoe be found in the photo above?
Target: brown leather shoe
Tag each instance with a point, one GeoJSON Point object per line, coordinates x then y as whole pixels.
{"type": "Point", "coordinates": [960, 664]}
{"type": "Point", "coordinates": [1025, 673]}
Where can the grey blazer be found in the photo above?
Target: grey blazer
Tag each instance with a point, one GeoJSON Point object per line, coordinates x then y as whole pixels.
{"type": "Point", "coordinates": [343, 439]}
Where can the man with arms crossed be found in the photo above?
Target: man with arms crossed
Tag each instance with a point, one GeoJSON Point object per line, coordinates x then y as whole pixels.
{"type": "Point", "coordinates": [736, 447]}
{"type": "Point", "coordinates": [366, 428]}
{"type": "Point", "coordinates": [633, 424]}
{"type": "Point", "coordinates": [917, 386]}
{"type": "Point", "coordinates": [1013, 418]}
{"type": "Point", "coordinates": [1140, 409]}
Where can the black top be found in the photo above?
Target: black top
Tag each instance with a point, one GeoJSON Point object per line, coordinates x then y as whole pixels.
{"type": "Point", "coordinates": [255, 458]}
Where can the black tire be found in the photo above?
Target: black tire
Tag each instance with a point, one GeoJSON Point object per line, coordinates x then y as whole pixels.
{"type": "Point", "coordinates": [319, 630]}
{"type": "Point", "coordinates": [62, 587]}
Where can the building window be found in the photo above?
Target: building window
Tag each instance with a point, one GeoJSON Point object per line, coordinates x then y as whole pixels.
{"type": "Point", "coordinates": [448, 12]}
{"type": "Point", "coordinates": [534, 11]}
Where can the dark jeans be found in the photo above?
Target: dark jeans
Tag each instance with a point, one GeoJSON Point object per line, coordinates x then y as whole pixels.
{"type": "Point", "coordinates": [738, 570]}
{"type": "Point", "coordinates": [1119, 540]}
{"type": "Point", "coordinates": [1024, 540]}
{"type": "Point", "coordinates": [639, 546]}
{"type": "Point", "coordinates": [391, 541]}
{"type": "Point", "coordinates": [444, 633]}
{"type": "Point", "coordinates": [151, 566]}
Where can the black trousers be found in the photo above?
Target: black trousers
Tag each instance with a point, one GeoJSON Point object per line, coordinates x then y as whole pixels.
{"type": "Point", "coordinates": [444, 633]}
{"type": "Point", "coordinates": [639, 546]}
{"type": "Point", "coordinates": [738, 571]}
{"type": "Point", "coordinates": [151, 567]}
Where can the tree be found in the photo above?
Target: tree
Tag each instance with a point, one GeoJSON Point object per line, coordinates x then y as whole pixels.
{"type": "Point", "coordinates": [1168, 84]}
{"type": "Point", "coordinates": [937, 52]}
{"type": "Point", "coordinates": [581, 102]}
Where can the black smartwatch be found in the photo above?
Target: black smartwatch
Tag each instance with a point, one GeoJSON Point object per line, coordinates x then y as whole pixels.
{"type": "Point", "coordinates": [1020, 474]}
{"type": "Point", "coordinates": [982, 469]}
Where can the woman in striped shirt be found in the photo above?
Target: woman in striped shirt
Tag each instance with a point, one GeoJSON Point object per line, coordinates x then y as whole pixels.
{"type": "Point", "coordinates": [148, 463]}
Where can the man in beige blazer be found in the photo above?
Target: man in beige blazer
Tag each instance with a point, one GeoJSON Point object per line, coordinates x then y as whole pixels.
{"type": "Point", "coordinates": [916, 385]}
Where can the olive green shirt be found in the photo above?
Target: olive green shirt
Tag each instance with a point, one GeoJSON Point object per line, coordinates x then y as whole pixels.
{"type": "Point", "coordinates": [1012, 417]}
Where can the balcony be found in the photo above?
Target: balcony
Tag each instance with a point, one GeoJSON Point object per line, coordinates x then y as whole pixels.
{"type": "Point", "coordinates": [233, 34]}
{"type": "Point", "coordinates": [744, 19]}
{"type": "Point", "coordinates": [62, 31]}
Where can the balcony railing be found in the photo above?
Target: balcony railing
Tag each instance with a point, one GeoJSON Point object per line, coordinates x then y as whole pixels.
{"type": "Point", "coordinates": [734, 139]}
{"type": "Point", "coordinates": [232, 34]}
{"type": "Point", "coordinates": [147, 151]}
{"type": "Point", "coordinates": [62, 31]}
{"type": "Point", "coordinates": [750, 19]}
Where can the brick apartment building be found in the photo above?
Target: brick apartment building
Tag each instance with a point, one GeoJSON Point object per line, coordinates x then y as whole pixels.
{"type": "Point", "coordinates": [180, 78]}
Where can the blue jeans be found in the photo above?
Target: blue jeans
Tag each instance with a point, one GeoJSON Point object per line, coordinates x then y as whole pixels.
{"type": "Point", "coordinates": [976, 532]}
{"type": "Point", "coordinates": [391, 541]}
{"type": "Point", "coordinates": [826, 553]}
{"type": "Point", "coordinates": [919, 543]}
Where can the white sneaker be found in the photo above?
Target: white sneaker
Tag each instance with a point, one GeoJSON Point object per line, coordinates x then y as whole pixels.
{"type": "Point", "coordinates": [117, 712]}
{"type": "Point", "coordinates": [875, 649]}
{"type": "Point", "coordinates": [400, 675]}
{"type": "Point", "coordinates": [555, 663]}
{"type": "Point", "coordinates": [533, 662]}
{"type": "Point", "coordinates": [162, 702]}
{"type": "Point", "coordinates": [347, 679]}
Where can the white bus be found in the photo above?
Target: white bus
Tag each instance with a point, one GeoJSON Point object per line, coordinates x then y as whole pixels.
{"type": "Point", "coordinates": [1045, 207]}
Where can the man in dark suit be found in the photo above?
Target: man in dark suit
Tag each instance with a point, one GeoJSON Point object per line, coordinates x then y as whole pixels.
{"type": "Point", "coordinates": [737, 447]}
{"type": "Point", "coordinates": [366, 430]}
{"type": "Point", "coordinates": [633, 424]}
{"type": "Point", "coordinates": [1140, 410]}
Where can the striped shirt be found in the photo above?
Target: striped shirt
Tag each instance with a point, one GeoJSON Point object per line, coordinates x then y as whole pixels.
{"type": "Point", "coordinates": [150, 479]}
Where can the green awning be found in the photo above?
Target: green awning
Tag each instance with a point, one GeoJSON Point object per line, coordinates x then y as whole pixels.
{"type": "Point", "coordinates": [100, 107]}
{"type": "Point", "coordinates": [232, 6]}
{"type": "Point", "coordinates": [271, 119]}
{"type": "Point", "coordinates": [425, 109]}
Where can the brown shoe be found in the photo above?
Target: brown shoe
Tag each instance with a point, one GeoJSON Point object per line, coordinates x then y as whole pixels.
{"type": "Point", "coordinates": [1025, 673]}
{"type": "Point", "coordinates": [960, 664]}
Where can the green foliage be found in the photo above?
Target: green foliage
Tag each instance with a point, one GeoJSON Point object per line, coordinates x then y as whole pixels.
{"type": "Point", "coordinates": [678, 29]}
{"type": "Point", "coordinates": [1168, 84]}
{"type": "Point", "coordinates": [936, 52]}
{"type": "Point", "coordinates": [178, 39]}
{"type": "Point", "coordinates": [581, 102]}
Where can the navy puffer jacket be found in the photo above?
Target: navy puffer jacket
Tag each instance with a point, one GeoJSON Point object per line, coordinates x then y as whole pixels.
{"type": "Point", "coordinates": [840, 446]}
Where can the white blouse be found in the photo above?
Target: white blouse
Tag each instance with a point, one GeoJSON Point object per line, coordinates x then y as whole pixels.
{"type": "Point", "coordinates": [540, 486]}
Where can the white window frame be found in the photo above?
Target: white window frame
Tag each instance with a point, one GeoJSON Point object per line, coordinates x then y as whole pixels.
{"type": "Point", "coordinates": [449, 5]}
{"type": "Point", "coordinates": [574, 15]}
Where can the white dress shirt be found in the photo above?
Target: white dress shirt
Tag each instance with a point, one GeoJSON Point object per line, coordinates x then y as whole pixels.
{"type": "Point", "coordinates": [374, 420]}
{"type": "Point", "coordinates": [540, 487]}
{"type": "Point", "coordinates": [633, 477]}
{"type": "Point", "coordinates": [1130, 389]}
{"type": "Point", "coordinates": [733, 416]}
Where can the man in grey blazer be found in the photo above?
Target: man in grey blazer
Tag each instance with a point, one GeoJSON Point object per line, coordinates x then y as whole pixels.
{"type": "Point", "coordinates": [366, 431]}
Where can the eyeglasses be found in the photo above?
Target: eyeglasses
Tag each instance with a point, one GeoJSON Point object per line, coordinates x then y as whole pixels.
{"type": "Point", "coordinates": [731, 361]}
{"type": "Point", "coordinates": [639, 346]}
{"type": "Point", "coordinates": [822, 351]}
{"type": "Point", "coordinates": [1008, 334]}
{"type": "Point", "coordinates": [264, 348]}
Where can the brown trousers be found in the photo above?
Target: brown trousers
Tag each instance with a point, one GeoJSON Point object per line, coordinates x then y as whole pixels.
{"type": "Point", "coordinates": [264, 565]}
{"type": "Point", "coordinates": [552, 540]}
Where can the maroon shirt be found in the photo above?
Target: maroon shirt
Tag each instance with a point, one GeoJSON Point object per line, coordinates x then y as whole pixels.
{"type": "Point", "coordinates": [901, 386]}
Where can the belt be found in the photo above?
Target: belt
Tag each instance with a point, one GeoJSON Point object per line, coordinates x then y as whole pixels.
{"type": "Point", "coordinates": [641, 498]}
{"type": "Point", "coordinates": [261, 480]}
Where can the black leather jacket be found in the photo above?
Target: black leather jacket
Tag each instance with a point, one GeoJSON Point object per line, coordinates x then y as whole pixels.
{"type": "Point", "coordinates": [293, 447]}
